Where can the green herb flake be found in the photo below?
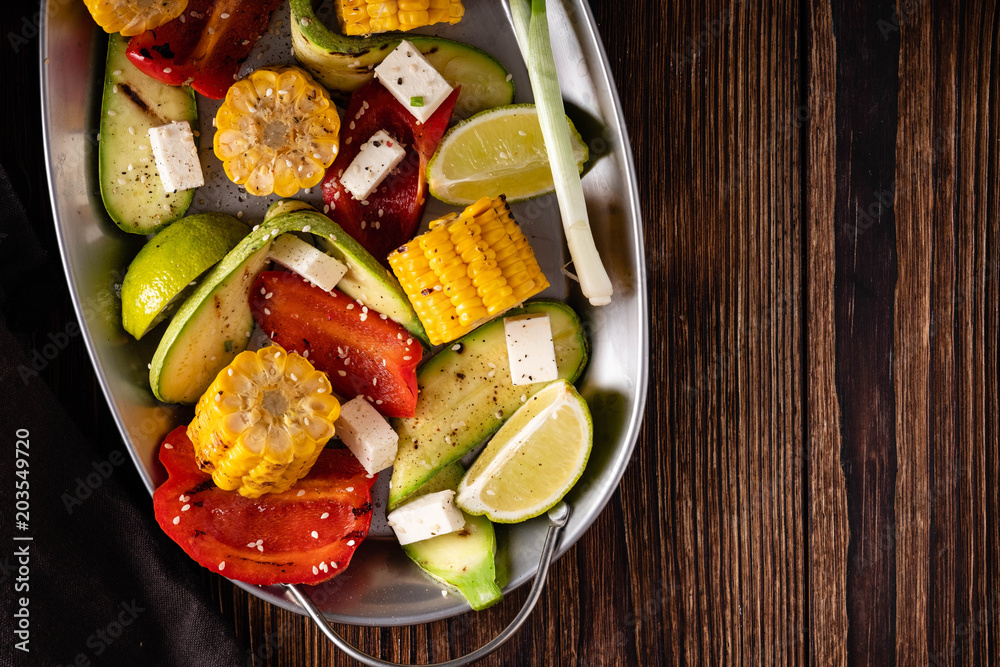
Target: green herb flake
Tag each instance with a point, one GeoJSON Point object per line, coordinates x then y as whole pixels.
{"type": "Point", "coordinates": [417, 101]}
{"type": "Point", "coordinates": [229, 346]}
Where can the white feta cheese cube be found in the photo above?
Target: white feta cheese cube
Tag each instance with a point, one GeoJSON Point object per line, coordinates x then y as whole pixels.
{"type": "Point", "coordinates": [378, 156]}
{"type": "Point", "coordinates": [314, 265]}
{"type": "Point", "coordinates": [367, 434]}
{"type": "Point", "coordinates": [176, 156]}
{"type": "Point", "coordinates": [426, 517]}
{"type": "Point", "coordinates": [413, 81]}
{"type": "Point", "coordinates": [530, 351]}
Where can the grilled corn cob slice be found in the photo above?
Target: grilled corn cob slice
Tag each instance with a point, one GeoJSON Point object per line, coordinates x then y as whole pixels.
{"type": "Point", "coordinates": [363, 17]}
{"type": "Point", "coordinates": [277, 131]}
{"type": "Point", "coordinates": [264, 421]}
{"type": "Point", "coordinates": [131, 17]}
{"type": "Point", "coordinates": [468, 268]}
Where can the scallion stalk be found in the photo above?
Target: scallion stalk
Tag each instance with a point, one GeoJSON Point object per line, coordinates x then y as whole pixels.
{"type": "Point", "coordinates": [532, 29]}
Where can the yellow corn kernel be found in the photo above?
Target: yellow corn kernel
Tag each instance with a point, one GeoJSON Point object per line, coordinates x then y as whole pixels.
{"type": "Point", "coordinates": [130, 17]}
{"type": "Point", "coordinates": [276, 132]}
{"type": "Point", "coordinates": [264, 421]}
{"type": "Point", "coordinates": [468, 268]}
{"type": "Point", "coordinates": [364, 17]}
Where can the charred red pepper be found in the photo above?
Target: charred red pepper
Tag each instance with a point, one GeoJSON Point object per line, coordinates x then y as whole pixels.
{"type": "Point", "coordinates": [362, 353]}
{"type": "Point", "coordinates": [204, 46]}
{"type": "Point", "coordinates": [279, 538]}
{"type": "Point", "coordinates": [394, 209]}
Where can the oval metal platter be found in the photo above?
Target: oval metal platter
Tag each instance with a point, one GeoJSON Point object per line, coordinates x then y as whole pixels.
{"type": "Point", "coordinates": [382, 587]}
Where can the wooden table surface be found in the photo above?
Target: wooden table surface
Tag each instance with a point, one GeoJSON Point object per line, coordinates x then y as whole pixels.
{"type": "Point", "coordinates": [816, 480]}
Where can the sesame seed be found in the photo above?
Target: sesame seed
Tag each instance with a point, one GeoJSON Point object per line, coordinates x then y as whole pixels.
{"type": "Point", "coordinates": [315, 570]}
{"type": "Point", "coordinates": [383, 316]}
{"type": "Point", "coordinates": [117, 72]}
{"type": "Point", "coordinates": [168, 445]}
{"type": "Point", "coordinates": [225, 15]}
{"type": "Point", "coordinates": [342, 373]}
{"type": "Point", "coordinates": [301, 493]}
{"type": "Point", "coordinates": [131, 130]}
{"type": "Point", "coordinates": [324, 515]}
{"type": "Point", "coordinates": [315, 535]}
{"type": "Point", "coordinates": [378, 402]}
{"type": "Point", "coordinates": [374, 382]}
{"type": "Point", "coordinates": [307, 228]}
{"type": "Point", "coordinates": [350, 543]}
{"type": "Point", "coordinates": [350, 488]}
{"type": "Point", "coordinates": [407, 358]}
{"type": "Point", "coordinates": [267, 311]}
{"type": "Point", "coordinates": [350, 306]}
{"type": "Point", "coordinates": [230, 372]}
{"type": "Point", "coordinates": [409, 341]}
{"type": "Point", "coordinates": [168, 70]}
{"type": "Point", "coordinates": [222, 566]}
{"type": "Point", "coordinates": [269, 295]}
{"type": "Point", "coordinates": [363, 317]}
{"type": "Point", "coordinates": [177, 520]}
{"type": "Point", "coordinates": [185, 508]}
{"type": "Point", "coordinates": [333, 564]}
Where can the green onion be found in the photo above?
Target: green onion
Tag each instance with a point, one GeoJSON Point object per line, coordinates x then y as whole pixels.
{"type": "Point", "coordinates": [532, 29]}
{"type": "Point", "coordinates": [416, 101]}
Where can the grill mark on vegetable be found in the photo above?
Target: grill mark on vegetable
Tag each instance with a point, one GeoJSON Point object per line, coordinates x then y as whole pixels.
{"type": "Point", "coordinates": [163, 49]}
{"type": "Point", "coordinates": [203, 486]}
{"type": "Point", "coordinates": [361, 511]}
{"type": "Point", "coordinates": [137, 100]}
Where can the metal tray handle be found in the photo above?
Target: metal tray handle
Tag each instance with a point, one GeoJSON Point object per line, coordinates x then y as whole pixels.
{"type": "Point", "coordinates": [558, 516]}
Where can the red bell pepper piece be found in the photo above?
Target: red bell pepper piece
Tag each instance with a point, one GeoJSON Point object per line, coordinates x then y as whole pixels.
{"type": "Point", "coordinates": [362, 353]}
{"type": "Point", "coordinates": [204, 46]}
{"type": "Point", "coordinates": [266, 540]}
{"type": "Point", "coordinates": [395, 208]}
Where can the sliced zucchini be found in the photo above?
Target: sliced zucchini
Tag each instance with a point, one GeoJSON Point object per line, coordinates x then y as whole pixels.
{"type": "Point", "coordinates": [463, 560]}
{"type": "Point", "coordinates": [214, 324]}
{"type": "Point", "coordinates": [131, 188]}
{"type": "Point", "coordinates": [366, 279]}
{"type": "Point", "coordinates": [466, 394]}
{"type": "Point", "coordinates": [344, 63]}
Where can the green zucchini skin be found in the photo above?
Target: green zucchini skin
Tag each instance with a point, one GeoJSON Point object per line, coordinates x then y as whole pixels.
{"type": "Point", "coordinates": [214, 324]}
{"type": "Point", "coordinates": [132, 104]}
{"type": "Point", "coordinates": [466, 395]}
{"type": "Point", "coordinates": [343, 63]}
{"type": "Point", "coordinates": [463, 560]}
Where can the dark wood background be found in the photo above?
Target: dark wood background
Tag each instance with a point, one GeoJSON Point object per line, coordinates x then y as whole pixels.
{"type": "Point", "coordinates": [817, 478]}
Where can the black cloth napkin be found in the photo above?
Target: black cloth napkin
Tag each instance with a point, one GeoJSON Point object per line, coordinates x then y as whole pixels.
{"type": "Point", "coordinates": [102, 584]}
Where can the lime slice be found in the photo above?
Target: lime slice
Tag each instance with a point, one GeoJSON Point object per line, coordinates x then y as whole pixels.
{"type": "Point", "coordinates": [170, 262]}
{"type": "Point", "coordinates": [533, 460]}
{"type": "Point", "coordinates": [497, 152]}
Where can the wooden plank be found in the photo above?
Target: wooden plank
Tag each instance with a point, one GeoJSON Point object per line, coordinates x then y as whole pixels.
{"type": "Point", "coordinates": [867, 64]}
{"type": "Point", "coordinates": [731, 458]}
{"type": "Point", "coordinates": [915, 213]}
{"type": "Point", "coordinates": [828, 527]}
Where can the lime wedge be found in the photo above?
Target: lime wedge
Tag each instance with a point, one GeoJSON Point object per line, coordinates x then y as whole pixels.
{"type": "Point", "coordinates": [497, 152]}
{"type": "Point", "coordinates": [533, 460]}
{"type": "Point", "coordinates": [170, 262]}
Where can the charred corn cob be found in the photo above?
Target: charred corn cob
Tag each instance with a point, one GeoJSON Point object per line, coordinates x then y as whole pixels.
{"type": "Point", "coordinates": [264, 421]}
{"type": "Point", "coordinates": [468, 268]}
{"type": "Point", "coordinates": [277, 131]}
{"type": "Point", "coordinates": [131, 17]}
{"type": "Point", "coordinates": [363, 17]}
